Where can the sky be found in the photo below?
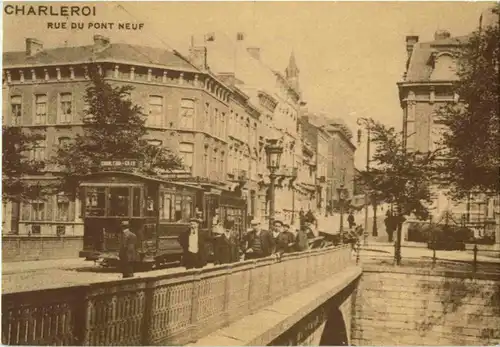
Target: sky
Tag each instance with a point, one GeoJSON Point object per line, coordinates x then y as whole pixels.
{"type": "Point", "coordinates": [350, 54]}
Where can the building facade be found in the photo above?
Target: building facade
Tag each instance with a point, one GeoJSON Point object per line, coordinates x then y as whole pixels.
{"type": "Point", "coordinates": [187, 110]}
{"type": "Point", "coordinates": [427, 86]}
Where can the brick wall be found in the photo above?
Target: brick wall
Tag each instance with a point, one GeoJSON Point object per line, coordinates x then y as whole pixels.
{"type": "Point", "coordinates": [398, 306]}
{"type": "Point", "coordinates": [15, 248]}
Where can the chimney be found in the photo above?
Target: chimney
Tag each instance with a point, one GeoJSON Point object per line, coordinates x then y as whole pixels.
{"type": "Point", "coordinates": [33, 47]}
{"type": "Point", "coordinates": [441, 35]}
{"type": "Point", "coordinates": [410, 43]}
{"type": "Point", "coordinates": [101, 41]}
{"type": "Point", "coordinates": [228, 78]}
{"type": "Point", "coordinates": [254, 52]}
{"type": "Point", "coordinates": [198, 57]}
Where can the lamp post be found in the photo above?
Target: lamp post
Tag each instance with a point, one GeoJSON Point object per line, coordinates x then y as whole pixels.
{"type": "Point", "coordinates": [342, 192]}
{"type": "Point", "coordinates": [366, 124]}
{"type": "Point", "coordinates": [273, 156]}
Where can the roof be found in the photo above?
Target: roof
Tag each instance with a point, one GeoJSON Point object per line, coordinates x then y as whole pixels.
{"type": "Point", "coordinates": [115, 51]}
{"type": "Point", "coordinates": [419, 70]}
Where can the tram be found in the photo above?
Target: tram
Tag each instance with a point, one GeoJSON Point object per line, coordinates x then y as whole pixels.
{"type": "Point", "coordinates": [158, 211]}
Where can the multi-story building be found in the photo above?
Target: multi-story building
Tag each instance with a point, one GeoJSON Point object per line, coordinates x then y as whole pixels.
{"type": "Point", "coordinates": [277, 98]}
{"type": "Point", "coordinates": [340, 163]}
{"type": "Point", "coordinates": [426, 86]}
{"type": "Point", "coordinates": [187, 109]}
{"type": "Point", "coordinates": [319, 140]}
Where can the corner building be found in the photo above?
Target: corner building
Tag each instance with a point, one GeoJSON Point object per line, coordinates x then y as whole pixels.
{"type": "Point", "coordinates": [426, 86]}
{"type": "Point", "coordinates": [187, 110]}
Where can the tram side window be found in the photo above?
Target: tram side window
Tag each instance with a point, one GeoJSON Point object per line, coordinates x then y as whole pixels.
{"type": "Point", "coordinates": [95, 202]}
{"type": "Point", "coordinates": [166, 208]}
{"type": "Point", "coordinates": [150, 202]}
{"type": "Point", "coordinates": [178, 208]}
{"type": "Point", "coordinates": [136, 202]}
{"type": "Point", "coordinates": [118, 201]}
{"type": "Point", "coordinates": [188, 207]}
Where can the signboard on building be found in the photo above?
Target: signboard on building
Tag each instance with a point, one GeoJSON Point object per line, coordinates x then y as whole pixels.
{"type": "Point", "coordinates": [120, 164]}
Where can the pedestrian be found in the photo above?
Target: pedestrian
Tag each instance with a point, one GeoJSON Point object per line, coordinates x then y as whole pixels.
{"type": "Point", "coordinates": [350, 220]}
{"type": "Point", "coordinates": [258, 243]}
{"type": "Point", "coordinates": [226, 248]}
{"type": "Point", "coordinates": [127, 254]}
{"type": "Point", "coordinates": [193, 242]}
{"type": "Point", "coordinates": [301, 242]}
{"type": "Point", "coordinates": [390, 224]}
{"type": "Point", "coordinates": [288, 238]}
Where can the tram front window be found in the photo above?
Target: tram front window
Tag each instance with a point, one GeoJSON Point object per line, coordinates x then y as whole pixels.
{"type": "Point", "coordinates": [95, 202]}
{"type": "Point", "coordinates": [118, 202]}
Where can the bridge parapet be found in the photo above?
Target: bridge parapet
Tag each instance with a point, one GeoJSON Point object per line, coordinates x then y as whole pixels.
{"type": "Point", "coordinates": [163, 310]}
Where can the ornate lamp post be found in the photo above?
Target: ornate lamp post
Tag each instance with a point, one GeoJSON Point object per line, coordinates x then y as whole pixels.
{"type": "Point", "coordinates": [366, 124]}
{"type": "Point", "coordinates": [342, 193]}
{"type": "Point", "coordinates": [273, 156]}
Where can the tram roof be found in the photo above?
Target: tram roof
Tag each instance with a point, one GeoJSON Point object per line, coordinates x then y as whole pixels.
{"type": "Point", "coordinates": [157, 179]}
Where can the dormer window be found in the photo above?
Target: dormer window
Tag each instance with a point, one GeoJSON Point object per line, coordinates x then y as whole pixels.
{"type": "Point", "coordinates": [444, 67]}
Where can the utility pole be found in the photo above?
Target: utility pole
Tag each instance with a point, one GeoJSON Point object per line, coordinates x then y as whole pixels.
{"type": "Point", "coordinates": [365, 123]}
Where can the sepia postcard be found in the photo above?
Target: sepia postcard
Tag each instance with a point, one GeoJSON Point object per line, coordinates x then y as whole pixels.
{"type": "Point", "coordinates": [250, 173]}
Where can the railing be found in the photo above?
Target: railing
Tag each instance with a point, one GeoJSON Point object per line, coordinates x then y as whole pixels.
{"type": "Point", "coordinates": [169, 309]}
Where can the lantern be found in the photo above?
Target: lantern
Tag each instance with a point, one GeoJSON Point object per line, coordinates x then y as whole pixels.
{"type": "Point", "coordinates": [273, 152]}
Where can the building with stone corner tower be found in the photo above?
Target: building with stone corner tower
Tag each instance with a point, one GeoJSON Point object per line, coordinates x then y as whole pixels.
{"type": "Point", "coordinates": [426, 86]}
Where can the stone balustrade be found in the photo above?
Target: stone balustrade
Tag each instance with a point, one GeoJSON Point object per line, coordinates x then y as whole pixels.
{"type": "Point", "coordinates": [170, 309]}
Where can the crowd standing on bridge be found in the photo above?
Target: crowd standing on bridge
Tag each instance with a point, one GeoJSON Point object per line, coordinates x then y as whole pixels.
{"type": "Point", "coordinates": [229, 246]}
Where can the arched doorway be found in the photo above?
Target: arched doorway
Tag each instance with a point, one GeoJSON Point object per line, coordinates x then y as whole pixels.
{"type": "Point", "coordinates": [335, 332]}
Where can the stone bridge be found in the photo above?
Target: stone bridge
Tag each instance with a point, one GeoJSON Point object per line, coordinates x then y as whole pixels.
{"type": "Point", "coordinates": [306, 298]}
{"type": "Point", "coordinates": [318, 297]}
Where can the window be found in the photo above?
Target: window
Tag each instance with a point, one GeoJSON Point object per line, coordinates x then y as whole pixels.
{"type": "Point", "coordinates": [166, 207]}
{"type": "Point", "coordinates": [187, 151]}
{"type": "Point", "coordinates": [213, 164]}
{"type": "Point", "coordinates": [206, 121]}
{"type": "Point", "coordinates": [216, 123]}
{"type": "Point", "coordinates": [37, 210]}
{"type": "Point", "coordinates": [38, 150]}
{"type": "Point", "coordinates": [178, 208]}
{"type": "Point", "coordinates": [223, 125]}
{"type": "Point", "coordinates": [188, 207]}
{"type": "Point", "coordinates": [222, 165]}
{"type": "Point", "coordinates": [65, 107]}
{"type": "Point", "coordinates": [62, 208]}
{"type": "Point", "coordinates": [205, 162]}
{"type": "Point", "coordinates": [118, 201]}
{"type": "Point", "coordinates": [136, 202]}
{"type": "Point", "coordinates": [41, 109]}
{"type": "Point", "coordinates": [155, 116]}
{"type": "Point", "coordinates": [16, 110]}
{"type": "Point", "coordinates": [64, 141]}
{"type": "Point", "coordinates": [187, 114]}
{"type": "Point", "coordinates": [95, 201]}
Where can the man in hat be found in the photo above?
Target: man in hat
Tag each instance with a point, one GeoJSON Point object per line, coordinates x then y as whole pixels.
{"type": "Point", "coordinates": [282, 238]}
{"type": "Point", "coordinates": [193, 244]}
{"type": "Point", "coordinates": [128, 244]}
{"type": "Point", "coordinates": [258, 243]}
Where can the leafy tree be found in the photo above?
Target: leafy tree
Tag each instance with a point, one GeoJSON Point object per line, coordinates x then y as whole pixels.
{"type": "Point", "coordinates": [16, 163]}
{"type": "Point", "coordinates": [473, 137]}
{"type": "Point", "coordinates": [399, 176]}
{"type": "Point", "coordinates": [16, 146]}
{"type": "Point", "coordinates": [114, 129]}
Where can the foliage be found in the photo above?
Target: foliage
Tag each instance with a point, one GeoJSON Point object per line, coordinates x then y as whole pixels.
{"type": "Point", "coordinates": [473, 136]}
{"type": "Point", "coordinates": [114, 130]}
{"type": "Point", "coordinates": [16, 163]}
{"type": "Point", "coordinates": [396, 175]}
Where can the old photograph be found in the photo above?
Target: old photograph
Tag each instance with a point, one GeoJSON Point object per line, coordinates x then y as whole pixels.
{"type": "Point", "coordinates": [250, 173]}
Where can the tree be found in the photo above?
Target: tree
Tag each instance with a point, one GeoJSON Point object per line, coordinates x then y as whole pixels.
{"type": "Point", "coordinates": [473, 137]}
{"type": "Point", "coordinates": [114, 129]}
{"type": "Point", "coordinates": [399, 176]}
{"type": "Point", "coordinates": [16, 164]}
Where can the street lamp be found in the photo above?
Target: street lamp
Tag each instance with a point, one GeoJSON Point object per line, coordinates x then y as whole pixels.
{"type": "Point", "coordinates": [273, 156]}
{"type": "Point", "coordinates": [366, 124]}
{"type": "Point", "coordinates": [342, 193]}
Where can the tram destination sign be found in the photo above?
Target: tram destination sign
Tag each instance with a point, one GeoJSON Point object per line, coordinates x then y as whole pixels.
{"type": "Point", "coordinates": [120, 164]}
